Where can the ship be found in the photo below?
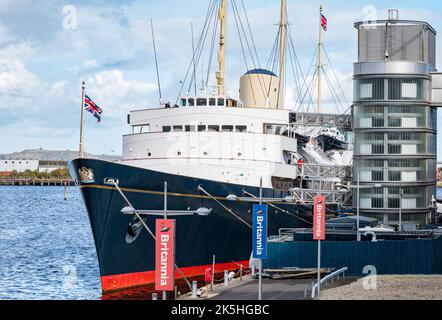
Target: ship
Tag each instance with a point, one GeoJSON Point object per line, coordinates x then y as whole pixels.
{"type": "Point", "coordinates": [210, 154]}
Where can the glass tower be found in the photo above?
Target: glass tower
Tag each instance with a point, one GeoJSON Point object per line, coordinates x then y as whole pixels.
{"type": "Point", "coordinates": [395, 121]}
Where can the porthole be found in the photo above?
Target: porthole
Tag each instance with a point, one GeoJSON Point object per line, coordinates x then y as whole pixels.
{"type": "Point", "coordinates": [239, 154]}
{"type": "Point", "coordinates": [205, 153]}
{"type": "Point", "coordinates": [149, 154]}
{"type": "Point", "coordinates": [178, 153]}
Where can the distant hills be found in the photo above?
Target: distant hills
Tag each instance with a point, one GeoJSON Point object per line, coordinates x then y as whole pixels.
{"type": "Point", "coordinates": [59, 155]}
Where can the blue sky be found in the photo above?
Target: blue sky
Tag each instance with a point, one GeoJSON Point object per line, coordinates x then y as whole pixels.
{"type": "Point", "coordinates": [42, 62]}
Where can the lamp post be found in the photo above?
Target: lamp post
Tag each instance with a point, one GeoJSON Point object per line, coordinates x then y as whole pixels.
{"type": "Point", "coordinates": [401, 194]}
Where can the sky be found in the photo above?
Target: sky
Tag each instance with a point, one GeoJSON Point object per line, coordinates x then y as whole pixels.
{"type": "Point", "coordinates": [47, 48]}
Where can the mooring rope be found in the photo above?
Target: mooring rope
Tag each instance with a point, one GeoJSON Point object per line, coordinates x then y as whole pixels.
{"type": "Point", "coordinates": [225, 207]}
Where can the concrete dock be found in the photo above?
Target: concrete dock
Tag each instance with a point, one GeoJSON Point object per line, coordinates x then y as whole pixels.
{"type": "Point", "coordinates": [247, 289]}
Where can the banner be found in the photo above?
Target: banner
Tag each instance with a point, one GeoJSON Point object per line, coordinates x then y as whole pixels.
{"type": "Point", "coordinates": [260, 231]}
{"type": "Point", "coordinates": [319, 218]}
{"type": "Point", "coordinates": [165, 255]}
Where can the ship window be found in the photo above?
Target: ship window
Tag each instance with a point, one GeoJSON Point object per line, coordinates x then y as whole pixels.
{"type": "Point", "coordinates": [213, 128]}
{"type": "Point", "coordinates": [240, 128]}
{"type": "Point", "coordinates": [201, 128]}
{"type": "Point", "coordinates": [191, 102]}
{"type": "Point", "coordinates": [190, 128]}
{"type": "Point", "coordinates": [167, 128]}
{"type": "Point", "coordinates": [183, 102]}
{"type": "Point", "coordinates": [178, 128]}
{"type": "Point", "coordinates": [221, 102]}
{"type": "Point", "coordinates": [201, 102]}
{"type": "Point", "coordinates": [227, 129]}
{"type": "Point", "coordinates": [212, 102]}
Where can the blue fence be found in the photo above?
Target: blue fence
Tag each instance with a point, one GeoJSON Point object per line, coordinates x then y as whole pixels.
{"type": "Point", "coordinates": [412, 256]}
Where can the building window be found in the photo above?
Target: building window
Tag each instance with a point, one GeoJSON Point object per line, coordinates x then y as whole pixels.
{"type": "Point", "coordinates": [183, 102]}
{"type": "Point", "coordinates": [377, 149]}
{"type": "Point", "coordinates": [201, 128]}
{"type": "Point", "coordinates": [394, 122]}
{"type": "Point", "coordinates": [394, 176]}
{"type": "Point", "coordinates": [377, 203]}
{"type": "Point", "coordinates": [377, 176]}
{"type": "Point", "coordinates": [189, 128]}
{"type": "Point", "coordinates": [227, 128]}
{"type": "Point", "coordinates": [212, 102]}
{"type": "Point", "coordinates": [221, 102]}
{"type": "Point", "coordinates": [191, 102]}
{"type": "Point", "coordinates": [241, 128]}
{"type": "Point", "coordinates": [177, 128]}
{"type": "Point", "coordinates": [167, 128]}
{"type": "Point", "coordinates": [394, 149]}
{"type": "Point", "coordinates": [393, 203]}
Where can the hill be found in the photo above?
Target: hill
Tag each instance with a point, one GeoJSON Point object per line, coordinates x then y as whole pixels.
{"type": "Point", "coordinates": [60, 155]}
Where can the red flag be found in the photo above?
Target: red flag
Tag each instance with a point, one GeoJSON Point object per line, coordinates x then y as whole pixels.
{"type": "Point", "coordinates": [323, 22]}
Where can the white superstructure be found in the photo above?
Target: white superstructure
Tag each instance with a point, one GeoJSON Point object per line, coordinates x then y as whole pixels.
{"type": "Point", "coordinates": [216, 142]}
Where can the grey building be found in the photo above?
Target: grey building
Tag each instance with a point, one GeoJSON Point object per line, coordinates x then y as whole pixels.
{"type": "Point", "coordinates": [396, 92]}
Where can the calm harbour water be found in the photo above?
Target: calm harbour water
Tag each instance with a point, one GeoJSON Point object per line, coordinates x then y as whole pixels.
{"type": "Point", "coordinates": [46, 245]}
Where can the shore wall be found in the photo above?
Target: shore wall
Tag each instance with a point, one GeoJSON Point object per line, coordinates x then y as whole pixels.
{"type": "Point", "coordinates": [413, 256]}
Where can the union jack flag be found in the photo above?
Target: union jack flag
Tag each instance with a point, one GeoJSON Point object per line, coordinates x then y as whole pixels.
{"type": "Point", "coordinates": [90, 106]}
{"type": "Point", "coordinates": [323, 22]}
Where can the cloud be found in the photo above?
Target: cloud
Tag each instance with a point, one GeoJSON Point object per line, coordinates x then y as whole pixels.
{"type": "Point", "coordinates": [116, 94]}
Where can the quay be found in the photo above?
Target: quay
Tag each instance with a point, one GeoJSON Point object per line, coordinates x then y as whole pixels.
{"type": "Point", "coordinates": [36, 182]}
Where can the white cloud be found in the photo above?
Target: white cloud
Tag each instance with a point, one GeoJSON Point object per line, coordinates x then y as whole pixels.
{"type": "Point", "coordinates": [116, 94]}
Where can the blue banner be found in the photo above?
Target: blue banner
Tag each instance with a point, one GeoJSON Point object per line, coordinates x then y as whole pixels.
{"type": "Point", "coordinates": [259, 231]}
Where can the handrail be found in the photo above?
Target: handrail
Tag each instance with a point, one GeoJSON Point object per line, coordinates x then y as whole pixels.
{"type": "Point", "coordinates": [329, 276]}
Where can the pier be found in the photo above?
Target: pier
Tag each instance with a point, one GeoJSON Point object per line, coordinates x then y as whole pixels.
{"type": "Point", "coordinates": [36, 182]}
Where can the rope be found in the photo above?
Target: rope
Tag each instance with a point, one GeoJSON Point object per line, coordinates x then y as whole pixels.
{"type": "Point", "coordinates": [148, 230]}
{"type": "Point", "coordinates": [278, 208]}
{"type": "Point", "coordinates": [226, 208]}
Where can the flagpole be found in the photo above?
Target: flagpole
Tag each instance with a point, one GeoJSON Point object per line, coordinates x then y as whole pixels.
{"type": "Point", "coordinates": [321, 9]}
{"type": "Point", "coordinates": [81, 151]}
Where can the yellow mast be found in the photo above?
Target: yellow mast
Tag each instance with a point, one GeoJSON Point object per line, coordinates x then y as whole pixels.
{"type": "Point", "coordinates": [321, 9]}
{"type": "Point", "coordinates": [282, 56]}
{"type": "Point", "coordinates": [220, 74]}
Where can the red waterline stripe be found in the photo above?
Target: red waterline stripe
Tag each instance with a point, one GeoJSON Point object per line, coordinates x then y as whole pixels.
{"type": "Point", "coordinates": [128, 280]}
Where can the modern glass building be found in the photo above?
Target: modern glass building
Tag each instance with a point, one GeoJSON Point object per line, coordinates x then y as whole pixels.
{"type": "Point", "coordinates": [395, 120]}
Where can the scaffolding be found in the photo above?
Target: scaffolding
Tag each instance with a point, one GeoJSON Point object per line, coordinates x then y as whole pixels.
{"type": "Point", "coordinates": [307, 119]}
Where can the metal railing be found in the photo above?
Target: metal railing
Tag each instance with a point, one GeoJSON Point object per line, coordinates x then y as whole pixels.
{"type": "Point", "coordinates": [325, 280]}
{"type": "Point", "coordinates": [306, 196]}
{"type": "Point", "coordinates": [342, 121]}
{"type": "Point", "coordinates": [309, 171]}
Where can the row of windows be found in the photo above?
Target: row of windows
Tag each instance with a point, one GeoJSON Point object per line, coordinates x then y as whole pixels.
{"type": "Point", "coordinates": [203, 128]}
{"type": "Point", "coordinates": [13, 162]}
{"type": "Point", "coordinates": [392, 163]}
{"type": "Point", "coordinates": [203, 102]}
{"type": "Point", "coordinates": [412, 191]}
{"type": "Point", "coordinates": [391, 136]}
{"type": "Point", "coordinates": [394, 176]}
{"type": "Point", "coordinates": [412, 89]}
{"type": "Point", "coordinates": [393, 109]}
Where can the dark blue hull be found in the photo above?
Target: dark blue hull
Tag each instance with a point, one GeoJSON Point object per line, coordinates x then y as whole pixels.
{"type": "Point", "coordinates": [198, 238]}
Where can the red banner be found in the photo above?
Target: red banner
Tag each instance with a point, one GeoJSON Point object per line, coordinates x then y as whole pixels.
{"type": "Point", "coordinates": [319, 218]}
{"type": "Point", "coordinates": [165, 255]}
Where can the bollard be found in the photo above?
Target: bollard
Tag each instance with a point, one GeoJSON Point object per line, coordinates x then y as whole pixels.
{"type": "Point", "coordinates": [226, 278]}
{"type": "Point", "coordinates": [164, 295]}
{"type": "Point", "coordinates": [194, 289]}
{"type": "Point", "coordinates": [65, 192]}
{"type": "Point", "coordinates": [154, 296]}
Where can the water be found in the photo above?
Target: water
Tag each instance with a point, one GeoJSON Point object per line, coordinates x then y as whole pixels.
{"type": "Point", "coordinates": [46, 245]}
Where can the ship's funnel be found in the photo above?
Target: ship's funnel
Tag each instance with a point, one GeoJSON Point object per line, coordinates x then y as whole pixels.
{"type": "Point", "coordinates": [259, 89]}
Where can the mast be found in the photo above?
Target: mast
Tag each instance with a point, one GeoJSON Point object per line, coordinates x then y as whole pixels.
{"type": "Point", "coordinates": [220, 74]}
{"type": "Point", "coordinates": [321, 9]}
{"type": "Point", "coordinates": [283, 25]}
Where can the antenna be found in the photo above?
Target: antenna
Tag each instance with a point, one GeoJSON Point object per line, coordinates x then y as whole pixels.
{"type": "Point", "coordinates": [193, 57]}
{"type": "Point", "coordinates": [156, 61]}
